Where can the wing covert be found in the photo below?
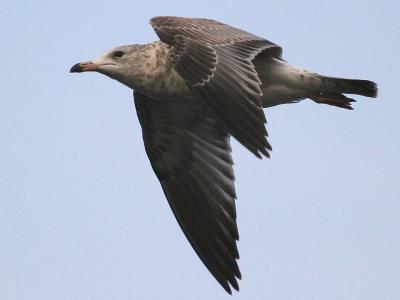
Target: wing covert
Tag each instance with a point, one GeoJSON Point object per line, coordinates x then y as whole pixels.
{"type": "Point", "coordinates": [216, 61]}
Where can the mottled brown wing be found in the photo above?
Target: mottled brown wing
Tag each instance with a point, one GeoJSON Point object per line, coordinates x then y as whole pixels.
{"type": "Point", "coordinates": [191, 156]}
{"type": "Point", "coordinates": [216, 61]}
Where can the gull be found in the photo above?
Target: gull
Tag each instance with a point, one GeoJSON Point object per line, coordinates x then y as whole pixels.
{"type": "Point", "coordinates": [201, 83]}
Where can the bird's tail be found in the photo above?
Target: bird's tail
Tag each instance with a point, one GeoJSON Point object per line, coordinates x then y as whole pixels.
{"type": "Point", "coordinates": [334, 88]}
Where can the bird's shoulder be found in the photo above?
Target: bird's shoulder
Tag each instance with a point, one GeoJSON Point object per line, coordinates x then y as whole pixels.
{"type": "Point", "coordinates": [160, 77]}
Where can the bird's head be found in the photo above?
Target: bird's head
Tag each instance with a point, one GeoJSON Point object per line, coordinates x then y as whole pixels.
{"type": "Point", "coordinates": [122, 63]}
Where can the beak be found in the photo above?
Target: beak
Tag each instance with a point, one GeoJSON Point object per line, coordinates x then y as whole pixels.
{"type": "Point", "coordinates": [84, 67]}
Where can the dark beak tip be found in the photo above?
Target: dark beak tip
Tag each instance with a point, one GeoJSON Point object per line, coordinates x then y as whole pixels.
{"type": "Point", "coordinates": [77, 68]}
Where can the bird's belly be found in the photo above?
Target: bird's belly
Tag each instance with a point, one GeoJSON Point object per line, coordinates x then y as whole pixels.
{"type": "Point", "coordinates": [281, 82]}
{"type": "Point", "coordinates": [281, 94]}
{"type": "Point", "coordinates": [169, 84]}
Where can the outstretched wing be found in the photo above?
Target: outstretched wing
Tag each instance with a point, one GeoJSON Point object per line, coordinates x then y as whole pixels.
{"type": "Point", "coordinates": [190, 154]}
{"type": "Point", "coordinates": [216, 61]}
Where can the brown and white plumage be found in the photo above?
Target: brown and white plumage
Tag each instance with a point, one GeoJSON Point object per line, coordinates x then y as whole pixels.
{"type": "Point", "coordinates": [216, 61]}
{"type": "Point", "coordinates": [202, 83]}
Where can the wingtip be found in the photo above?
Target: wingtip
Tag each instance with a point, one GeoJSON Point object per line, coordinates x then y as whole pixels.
{"type": "Point", "coordinates": [234, 284]}
{"type": "Point", "coordinates": [225, 285]}
{"type": "Point", "coordinates": [265, 152]}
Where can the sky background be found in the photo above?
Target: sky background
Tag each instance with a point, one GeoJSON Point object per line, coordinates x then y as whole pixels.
{"type": "Point", "coordinates": [82, 215]}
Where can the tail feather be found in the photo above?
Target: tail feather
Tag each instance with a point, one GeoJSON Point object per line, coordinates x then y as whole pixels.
{"type": "Point", "coordinates": [332, 90]}
{"type": "Point", "coordinates": [351, 86]}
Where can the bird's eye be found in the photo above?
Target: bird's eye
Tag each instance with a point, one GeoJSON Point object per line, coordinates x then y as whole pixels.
{"type": "Point", "coordinates": [118, 53]}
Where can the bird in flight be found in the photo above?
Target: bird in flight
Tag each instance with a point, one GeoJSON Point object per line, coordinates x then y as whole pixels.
{"type": "Point", "coordinates": [203, 82]}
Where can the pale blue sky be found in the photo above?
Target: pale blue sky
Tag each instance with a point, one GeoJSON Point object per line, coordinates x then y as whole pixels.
{"type": "Point", "coordinates": [82, 215]}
